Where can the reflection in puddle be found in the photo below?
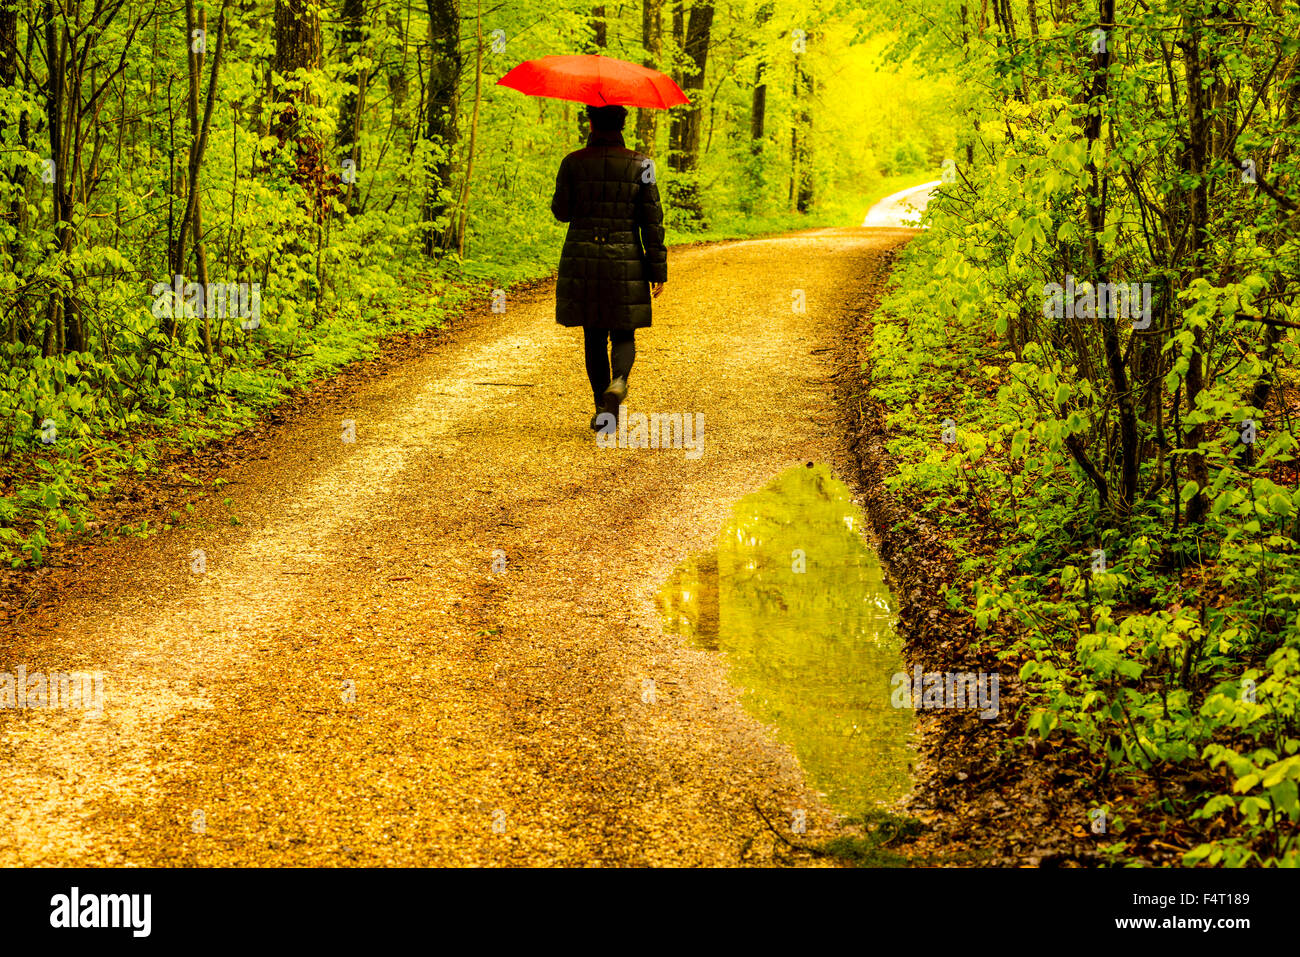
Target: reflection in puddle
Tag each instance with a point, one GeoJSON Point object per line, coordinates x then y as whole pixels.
{"type": "Point", "coordinates": [799, 604]}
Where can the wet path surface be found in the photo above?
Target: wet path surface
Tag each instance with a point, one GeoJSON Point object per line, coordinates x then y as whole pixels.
{"type": "Point", "coordinates": [440, 643]}
{"type": "Point", "coordinates": [798, 603]}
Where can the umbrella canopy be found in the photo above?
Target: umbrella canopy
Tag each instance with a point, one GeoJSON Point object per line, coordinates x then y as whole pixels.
{"type": "Point", "coordinates": [595, 80]}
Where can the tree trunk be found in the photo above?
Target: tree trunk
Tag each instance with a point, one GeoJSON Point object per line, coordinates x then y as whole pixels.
{"type": "Point", "coordinates": [1096, 213]}
{"type": "Point", "coordinates": [758, 106]}
{"type": "Point", "coordinates": [473, 133]}
{"type": "Point", "coordinates": [684, 188]}
{"type": "Point", "coordinates": [298, 47]}
{"type": "Point", "coordinates": [195, 213]}
{"type": "Point", "coordinates": [353, 103]}
{"type": "Point", "coordinates": [441, 115]}
{"type": "Point", "coordinates": [20, 311]}
{"type": "Point", "coordinates": [652, 38]}
{"type": "Point", "coordinates": [199, 123]}
{"type": "Point", "coordinates": [8, 48]}
{"type": "Point", "coordinates": [802, 161]}
{"type": "Point", "coordinates": [398, 84]}
{"type": "Point", "coordinates": [64, 326]}
{"type": "Point", "coordinates": [1199, 215]}
{"type": "Point", "coordinates": [679, 44]}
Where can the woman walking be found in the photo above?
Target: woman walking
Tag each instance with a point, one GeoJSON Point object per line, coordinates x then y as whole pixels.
{"type": "Point", "coordinates": [613, 253]}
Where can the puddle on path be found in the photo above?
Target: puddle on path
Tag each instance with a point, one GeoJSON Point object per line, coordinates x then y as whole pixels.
{"type": "Point", "coordinates": [813, 650]}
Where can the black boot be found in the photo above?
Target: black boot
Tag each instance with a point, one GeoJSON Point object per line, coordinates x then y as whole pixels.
{"type": "Point", "coordinates": [609, 427]}
{"type": "Point", "coordinates": [615, 395]}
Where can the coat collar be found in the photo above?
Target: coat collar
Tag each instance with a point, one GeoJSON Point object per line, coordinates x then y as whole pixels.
{"type": "Point", "coordinates": [605, 138]}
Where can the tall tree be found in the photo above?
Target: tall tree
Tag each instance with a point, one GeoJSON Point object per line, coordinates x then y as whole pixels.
{"type": "Point", "coordinates": [352, 106]}
{"type": "Point", "coordinates": [652, 38]}
{"type": "Point", "coordinates": [78, 74]}
{"type": "Point", "coordinates": [1197, 157]}
{"type": "Point", "coordinates": [688, 121]}
{"type": "Point", "coordinates": [200, 121]}
{"type": "Point", "coordinates": [678, 74]}
{"type": "Point", "coordinates": [298, 47]}
{"type": "Point", "coordinates": [463, 204]}
{"type": "Point", "coordinates": [442, 109]}
{"type": "Point", "coordinates": [801, 157]}
{"type": "Point", "coordinates": [15, 175]}
{"type": "Point", "coordinates": [758, 104]}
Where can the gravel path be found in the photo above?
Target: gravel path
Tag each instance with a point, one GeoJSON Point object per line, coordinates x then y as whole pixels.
{"type": "Point", "coordinates": [500, 716]}
{"type": "Point", "coordinates": [903, 208]}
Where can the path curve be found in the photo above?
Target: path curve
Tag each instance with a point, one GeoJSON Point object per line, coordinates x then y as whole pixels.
{"type": "Point", "coordinates": [903, 208]}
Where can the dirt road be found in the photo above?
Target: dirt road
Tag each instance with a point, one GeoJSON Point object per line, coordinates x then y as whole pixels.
{"type": "Point", "coordinates": [438, 643]}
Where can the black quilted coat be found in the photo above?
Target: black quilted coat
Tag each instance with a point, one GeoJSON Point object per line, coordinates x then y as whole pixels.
{"type": "Point", "coordinates": [615, 245]}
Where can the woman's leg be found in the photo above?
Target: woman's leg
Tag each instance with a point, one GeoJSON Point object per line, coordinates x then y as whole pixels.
{"type": "Point", "coordinates": [622, 352]}
{"type": "Point", "coordinates": [593, 347]}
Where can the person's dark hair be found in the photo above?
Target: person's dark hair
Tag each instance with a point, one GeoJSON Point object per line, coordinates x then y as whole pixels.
{"type": "Point", "coordinates": [607, 119]}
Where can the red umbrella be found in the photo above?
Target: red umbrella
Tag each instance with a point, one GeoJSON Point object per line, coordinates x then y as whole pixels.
{"type": "Point", "coordinates": [595, 80]}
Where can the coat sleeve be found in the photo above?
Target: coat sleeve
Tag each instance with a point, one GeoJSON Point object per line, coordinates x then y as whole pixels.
{"type": "Point", "coordinates": [650, 222]}
{"type": "Point", "coordinates": [560, 201]}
